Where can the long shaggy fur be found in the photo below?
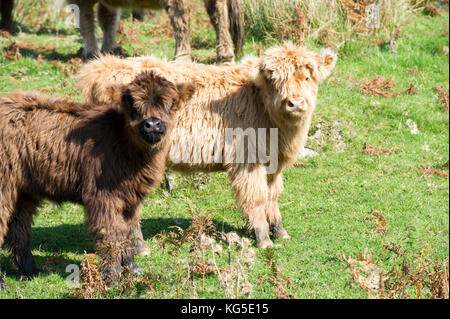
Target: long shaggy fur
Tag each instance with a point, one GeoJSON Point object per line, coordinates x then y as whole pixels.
{"type": "Point", "coordinates": [91, 155]}
{"type": "Point", "coordinates": [256, 94]}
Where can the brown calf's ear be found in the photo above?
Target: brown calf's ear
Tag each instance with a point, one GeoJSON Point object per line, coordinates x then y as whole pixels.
{"type": "Point", "coordinates": [326, 60]}
{"type": "Point", "coordinates": [185, 92]}
{"type": "Point", "coordinates": [127, 100]}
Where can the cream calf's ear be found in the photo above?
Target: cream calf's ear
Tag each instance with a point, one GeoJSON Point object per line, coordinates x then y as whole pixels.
{"type": "Point", "coordinates": [115, 92]}
{"type": "Point", "coordinates": [326, 61]}
{"type": "Point", "coordinates": [253, 70]}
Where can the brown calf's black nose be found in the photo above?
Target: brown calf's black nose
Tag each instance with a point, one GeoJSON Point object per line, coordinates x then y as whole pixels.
{"type": "Point", "coordinates": [153, 125]}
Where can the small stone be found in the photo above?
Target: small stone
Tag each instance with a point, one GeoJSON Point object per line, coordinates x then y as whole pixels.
{"type": "Point", "coordinates": [306, 152]}
{"type": "Point", "coordinates": [412, 126]}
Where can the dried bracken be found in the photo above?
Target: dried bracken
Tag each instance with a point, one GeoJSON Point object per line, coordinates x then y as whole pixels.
{"type": "Point", "coordinates": [411, 276]}
{"type": "Point", "coordinates": [145, 282]}
{"type": "Point", "coordinates": [379, 86]}
{"type": "Point", "coordinates": [56, 259]}
{"type": "Point", "coordinates": [428, 170]}
{"type": "Point", "coordinates": [299, 164]}
{"type": "Point", "coordinates": [443, 96]}
{"type": "Point", "coordinates": [379, 226]}
{"type": "Point", "coordinates": [205, 255]}
{"type": "Point", "coordinates": [295, 29]}
{"type": "Point", "coordinates": [280, 283]}
{"type": "Point", "coordinates": [356, 12]}
{"type": "Point", "coordinates": [370, 149]}
{"type": "Point", "coordinates": [5, 34]}
{"type": "Point", "coordinates": [417, 277]}
{"type": "Point", "coordinates": [394, 248]}
{"type": "Point", "coordinates": [70, 68]}
{"type": "Point", "coordinates": [366, 273]}
{"type": "Point", "coordinates": [415, 71]}
{"type": "Point", "coordinates": [11, 51]}
{"type": "Point", "coordinates": [92, 283]}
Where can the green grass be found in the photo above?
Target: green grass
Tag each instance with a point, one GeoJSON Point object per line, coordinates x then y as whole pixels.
{"type": "Point", "coordinates": [324, 205]}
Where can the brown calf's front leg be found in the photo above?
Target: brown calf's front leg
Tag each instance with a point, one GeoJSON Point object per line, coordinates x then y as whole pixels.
{"type": "Point", "coordinates": [110, 230]}
{"type": "Point", "coordinates": [180, 19]}
{"type": "Point", "coordinates": [275, 184]}
{"type": "Point", "coordinates": [249, 183]}
{"type": "Point", "coordinates": [136, 237]}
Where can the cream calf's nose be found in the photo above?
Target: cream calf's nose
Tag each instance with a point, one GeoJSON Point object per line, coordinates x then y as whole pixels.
{"type": "Point", "coordinates": [297, 105]}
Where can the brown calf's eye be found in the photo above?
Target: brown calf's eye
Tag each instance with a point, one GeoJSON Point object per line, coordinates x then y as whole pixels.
{"type": "Point", "coordinates": [134, 115]}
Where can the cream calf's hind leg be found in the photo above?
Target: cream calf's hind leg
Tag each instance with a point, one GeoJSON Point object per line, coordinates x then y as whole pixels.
{"type": "Point", "coordinates": [275, 185]}
{"type": "Point", "coordinates": [250, 186]}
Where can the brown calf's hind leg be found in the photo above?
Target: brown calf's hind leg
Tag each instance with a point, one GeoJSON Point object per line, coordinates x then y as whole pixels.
{"type": "Point", "coordinates": [18, 238]}
{"type": "Point", "coordinates": [180, 19]}
{"type": "Point", "coordinates": [275, 184]}
{"type": "Point", "coordinates": [7, 198]}
{"type": "Point", "coordinates": [250, 186]}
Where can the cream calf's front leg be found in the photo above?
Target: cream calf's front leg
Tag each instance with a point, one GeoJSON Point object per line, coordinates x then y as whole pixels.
{"type": "Point", "coordinates": [275, 185]}
{"type": "Point", "coordinates": [250, 186]}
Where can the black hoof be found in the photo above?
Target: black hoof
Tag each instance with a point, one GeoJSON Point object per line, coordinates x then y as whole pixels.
{"type": "Point", "coordinates": [133, 268]}
{"type": "Point", "coordinates": [118, 51]}
{"type": "Point", "coordinates": [90, 56]}
{"type": "Point", "coordinates": [34, 272]}
{"type": "Point", "coordinates": [137, 271]}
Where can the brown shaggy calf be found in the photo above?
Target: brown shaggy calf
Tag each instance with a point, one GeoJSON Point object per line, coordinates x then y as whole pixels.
{"type": "Point", "coordinates": [106, 157]}
{"type": "Point", "coordinates": [276, 91]}
{"type": "Point", "coordinates": [227, 17]}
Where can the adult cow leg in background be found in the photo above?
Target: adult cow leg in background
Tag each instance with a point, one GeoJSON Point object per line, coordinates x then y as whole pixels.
{"type": "Point", "coordinates": [180, 19]}
{"type": "Point", "coordinates": [87, 27]}
{"type": "Point", "coordinates": [108, 19]}
{"type": "Point", "coordinates": [218, 14]}
{"type": "Point", "coordinates": [6, 23]}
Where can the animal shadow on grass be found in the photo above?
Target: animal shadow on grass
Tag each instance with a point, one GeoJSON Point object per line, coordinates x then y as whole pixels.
{"type": "Point", "coordinates": [19, 27]}
{"type": "Point", "coordinates": [153, 226]}
{"type": "Point", "coordinates": [49, 54]}
{"type": "Point", "coordinates": [56, 242]}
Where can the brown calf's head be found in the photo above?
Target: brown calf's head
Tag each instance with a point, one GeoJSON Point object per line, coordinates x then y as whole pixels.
{"type": "Point", "coordinates": [289, 76]}
{"type": "Point", "coordinates": [149, 102]}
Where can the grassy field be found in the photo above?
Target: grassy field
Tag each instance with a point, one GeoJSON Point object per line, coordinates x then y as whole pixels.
{"type": "Point", "coordinates": [329, 205]}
